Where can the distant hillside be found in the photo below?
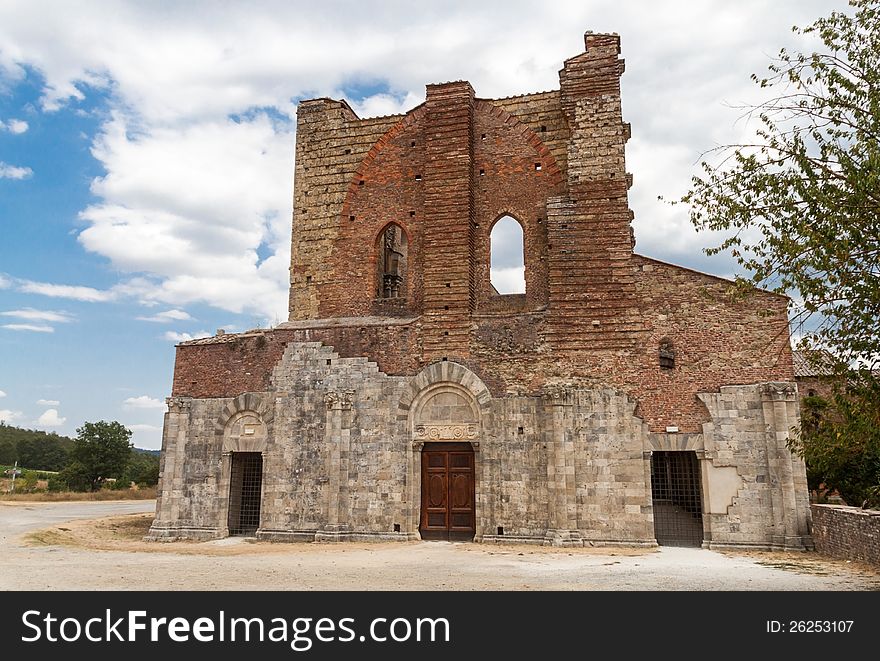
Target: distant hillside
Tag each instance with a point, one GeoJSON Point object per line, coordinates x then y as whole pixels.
{"type": "Point", "coordinates": [39, 450]}
{"type": "Point", "coordinates": [33, 449]}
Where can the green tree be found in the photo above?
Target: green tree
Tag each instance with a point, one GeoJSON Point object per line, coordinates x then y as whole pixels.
{"type": "Point", "coordinates": [8, 452]}
{"type": "Point", "coordinates": [142, 469]}
{"type": "Point", "coordinates": [100, 450]}
{"type": "Point", "coordinates": [43, 452]}
{"type": "Point", "coordinates": [800, 209]}
{"type": "Point", "coordinates": [800, 206]}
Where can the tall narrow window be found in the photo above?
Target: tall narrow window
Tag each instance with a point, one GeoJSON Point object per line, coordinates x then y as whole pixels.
{"type": "Point", "coordinates": [392, 262]}
{"type": "Point", "coordinates": [507, 271]}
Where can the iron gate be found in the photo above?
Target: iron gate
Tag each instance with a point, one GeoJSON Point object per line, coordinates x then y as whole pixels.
{"type": "Point", "coordinates": [245, 485]}
{"type": "Point", "coordinates": [675, 490]}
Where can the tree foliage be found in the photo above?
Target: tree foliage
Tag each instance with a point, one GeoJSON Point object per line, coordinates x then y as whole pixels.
{"type": "Point", "coordinates": [101, 450]}
{"type": "Point", "coordinates": [840, 442]}
{"type": "Point", "coordinates": [800, 210]}
{"type": "Point", "coordinates": [800, 206]}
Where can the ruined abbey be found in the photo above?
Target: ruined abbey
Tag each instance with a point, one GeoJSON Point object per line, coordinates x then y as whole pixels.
{"type": "Point", "coordinates": [618, 400]}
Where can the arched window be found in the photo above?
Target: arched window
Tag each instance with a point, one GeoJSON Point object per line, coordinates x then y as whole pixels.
{"type": "Point", "coordinates": [391, 262]}
{"type": "Point", "coordinates": [507, 272]}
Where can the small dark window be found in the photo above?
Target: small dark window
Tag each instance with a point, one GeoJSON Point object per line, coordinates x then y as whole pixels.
{"type": "Point", "coordinates": [445, 332]}
{"type": "Point", "coordinates": [418, 177]}
{"type": "Point", "coordinates": [348, 151]}
{"type": "Point", "coordinates": [361, 182]}
{"type": "Point", "coordinates": [811, 393]}
{"type": "Point", "coordinates": [396, 527]}
{"type": "Point", "coordinates": [351, 217]}
{"type": "Point", "coordinates": [412, 144]}
{"type": "Point", "coordinates": [412, 213]}
{"type": "Point", "coordinates": [482, 172]}
{"type": "Point", "coordinates": [537, 167]}
{"type": "Point", "coordinates": [483, 136]}
{"type": "Point", "coordinates": [520, 430]}
{"type": "Point", "coordinates": [329, 361]}
{"type": "Point", "coordinates": [543, 129]}
{"type": "Point", "coordinates": [500, 530]}
{"type": "Point", "coordinates": [666, 355]}
{"type": "Point", "coordinates": [444, 359]}
{"type": "Point", "coordinates": [308, 279]}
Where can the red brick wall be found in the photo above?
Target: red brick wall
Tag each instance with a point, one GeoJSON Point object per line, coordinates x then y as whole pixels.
{"type": "Point", "coordinates": [593, 313]}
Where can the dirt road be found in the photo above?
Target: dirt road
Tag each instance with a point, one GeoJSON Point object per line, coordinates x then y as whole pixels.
{"type": "Point", "coordinates": [234, 564]}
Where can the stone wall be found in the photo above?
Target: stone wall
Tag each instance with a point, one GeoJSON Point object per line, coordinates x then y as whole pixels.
{"type": "Point", "coordinates": [341, 444]}
{"type": "Point", "coordinates": [847, 532]}
{"type": "Point", "coordinates": [568, 394]}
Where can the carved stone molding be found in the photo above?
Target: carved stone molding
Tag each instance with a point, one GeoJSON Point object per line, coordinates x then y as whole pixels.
{"type": "Point", "coordinates": [178, 404]}
{"type": "Point", "coordinates": [558, 395]}
{"type": "Point", "coordinates": [779, 390]}
{"type": "Point", "coordinates": [434, 432]}
{"type": "Point", "coordinates": [338, 399]}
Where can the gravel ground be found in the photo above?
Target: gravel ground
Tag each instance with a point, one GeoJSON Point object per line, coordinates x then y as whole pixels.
{"type": "Point", "coordinates": [44, 547]}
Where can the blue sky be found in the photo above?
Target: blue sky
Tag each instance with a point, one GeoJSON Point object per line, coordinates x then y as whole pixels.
{"type": "Point", "coordinates": [146, 156]}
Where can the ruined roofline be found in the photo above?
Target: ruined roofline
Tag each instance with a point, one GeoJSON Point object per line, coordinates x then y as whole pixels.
{"type": "Point", "coordinates": [594, 43]}
{"type": "Point", "coordinates": [707, 275]}
{"type": "Point", "coordinates": [527, 96]}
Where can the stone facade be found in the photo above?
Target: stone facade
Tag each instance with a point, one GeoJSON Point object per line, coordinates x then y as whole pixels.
{"type": "Point", "coordinates": [397, 341]}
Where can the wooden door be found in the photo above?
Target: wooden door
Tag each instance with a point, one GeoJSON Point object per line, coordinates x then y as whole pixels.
{"type": "Point", "coordinates": [448, 494]}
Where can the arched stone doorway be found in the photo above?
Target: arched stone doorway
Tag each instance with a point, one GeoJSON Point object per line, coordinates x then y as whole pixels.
{"type": "Point", "coordinates": [244, 430]}
{"type": "Point", "coordinates": [446, 429]}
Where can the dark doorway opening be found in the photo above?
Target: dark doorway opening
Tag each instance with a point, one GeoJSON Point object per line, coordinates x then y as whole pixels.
{"type": "Point", "coordinates": [675, 490]}
{"type": "Point", "coordinates": [245, 485]}
{"type": "Point", "coordinates": [448, 492]}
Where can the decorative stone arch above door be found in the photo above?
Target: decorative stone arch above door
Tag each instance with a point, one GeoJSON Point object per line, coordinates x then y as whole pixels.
{"type": "Point", "coordinates": [444, 407]}
{"type": "Point", "coordinates": [244, 424]}
{"type": "Point", "coordinates": [444, 393]}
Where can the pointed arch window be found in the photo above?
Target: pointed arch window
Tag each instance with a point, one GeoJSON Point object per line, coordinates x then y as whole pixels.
{"type": "Point", "coordinates": [507, 272]}
{"type": "Point", "coordinates": [392, 249]}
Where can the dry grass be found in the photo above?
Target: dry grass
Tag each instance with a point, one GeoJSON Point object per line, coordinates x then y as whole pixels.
{"type": "Point", "coordinates": [805, 562]}
{"type": "Point", "coordinates": [64, 496]}
{"type": "Point", "coordinates": [126, 533]}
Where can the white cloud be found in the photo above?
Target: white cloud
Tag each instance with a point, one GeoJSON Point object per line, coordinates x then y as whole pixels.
{"type": "Point", "coordinates": [14, 172]}
{"type": "Point", "coordinates": [193, 206]}
{"type": "Point", "coordinates": [74, 292]}
{"type": "Point", "coordinates": [137, 428]}
{"type": "Point", "coordinates": [2, 394]}
{"type": "Point", "coordinates": [8, 416]}
{"type": "Point", "coordinates": [36, 328]}
{"type": "Point", "coordinates": [32, 314]}
{"type": "Point", "coordinates": [5, 283]}
{"type": "Point", "coordinates": [176, 337]}
{"type": "Point", "coordinates": [195, 203]}
{"type": "Point", "coordinates": [167, 317]}
{"type": "Point", "coordinates": [15, 126]}
{"type": "Point", "coordinates": [510, 280]}
{"type": "Point", "coordinates": [50, 418]}
{"type": "Point", "coordinates": [48, 402]}
{"type": "Point", "coordinates": [146, 436]}
{"type": "Point", "coordinates": [143, 402]}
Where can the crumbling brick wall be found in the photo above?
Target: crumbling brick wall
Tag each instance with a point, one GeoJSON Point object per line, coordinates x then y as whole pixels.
{"type": "Point", "coordinates": [594, 313]}
{"type": "Point", "coordinates": [847, 532]}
